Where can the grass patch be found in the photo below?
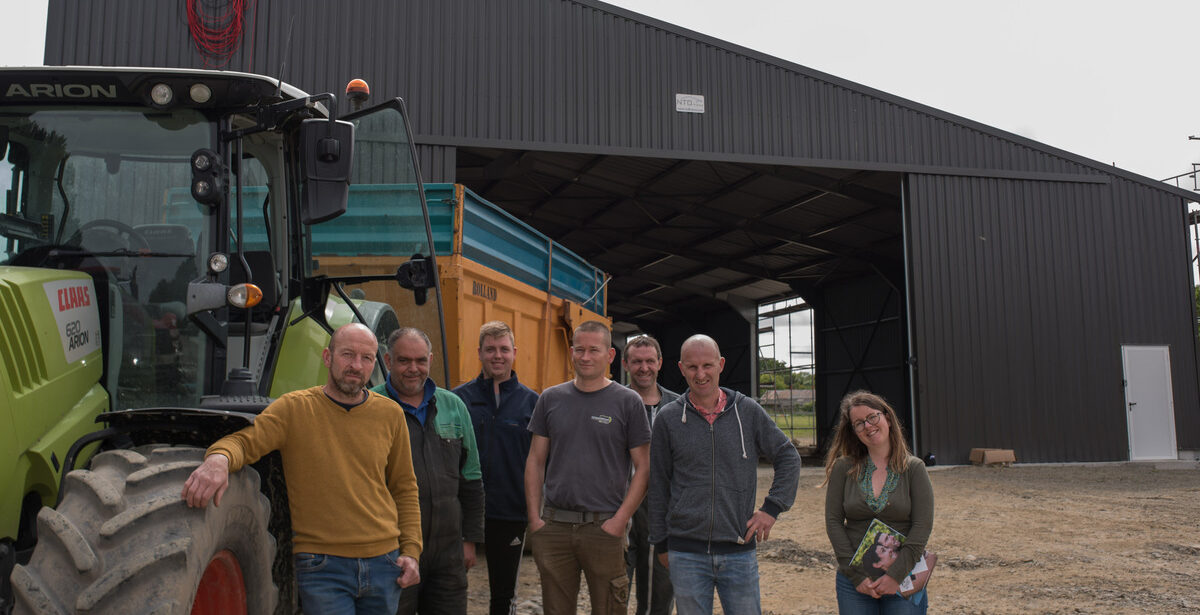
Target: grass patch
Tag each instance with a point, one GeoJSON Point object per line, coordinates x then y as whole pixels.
{"type": "Point", "coordinates": [799, 426]}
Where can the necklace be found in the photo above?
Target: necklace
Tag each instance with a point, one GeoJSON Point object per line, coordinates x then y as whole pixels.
{"type": "Point", "coordinates": [889, 485]}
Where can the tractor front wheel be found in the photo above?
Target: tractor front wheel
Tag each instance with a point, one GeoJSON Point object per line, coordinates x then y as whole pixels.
{"type": "Point", "coordinates": [123, 541]}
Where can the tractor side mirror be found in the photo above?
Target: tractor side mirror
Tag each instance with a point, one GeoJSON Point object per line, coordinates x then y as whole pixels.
{"type": "Point", "coordinates": [326, 151]}
{"type": "Point", "coordinates": [417, 274]}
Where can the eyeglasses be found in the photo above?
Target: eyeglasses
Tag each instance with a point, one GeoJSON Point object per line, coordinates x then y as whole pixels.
{"type": "Point", "coordinates": [872, 419]}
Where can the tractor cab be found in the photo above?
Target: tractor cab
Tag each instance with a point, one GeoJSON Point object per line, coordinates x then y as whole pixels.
{"type": "Point", "coordinates": [204, 207]}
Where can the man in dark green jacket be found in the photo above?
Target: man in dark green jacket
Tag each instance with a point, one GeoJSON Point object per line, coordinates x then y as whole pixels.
{"type": "Point", "coordinates": [446, 463]}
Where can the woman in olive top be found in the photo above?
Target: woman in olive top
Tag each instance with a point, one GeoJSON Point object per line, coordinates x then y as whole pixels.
{"type": "Point", "coordinates": [871, 475]}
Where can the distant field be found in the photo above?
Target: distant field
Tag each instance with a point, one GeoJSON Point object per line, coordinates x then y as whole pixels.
{"type": "Point", "coordinates": [799, 426]}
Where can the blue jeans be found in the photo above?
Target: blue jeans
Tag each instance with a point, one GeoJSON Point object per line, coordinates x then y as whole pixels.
{"type": "Point", "coordinates": [331, 585]}
{"type": "Point", "coordinates": [733, 575]}
{"type": "Point", "coordinates": [851, 602]}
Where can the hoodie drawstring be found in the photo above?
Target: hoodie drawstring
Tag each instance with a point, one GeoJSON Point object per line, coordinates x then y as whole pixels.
{"type": "Point", "coordinates": [741, 434]}
{"type": "Point", "coordinates": [738, 414]}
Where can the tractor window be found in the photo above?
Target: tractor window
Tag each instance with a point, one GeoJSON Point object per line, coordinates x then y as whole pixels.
{"type": "Point", "coordinates": [89, 178]}
{"type": "Point", "coordinates": [255, 209]}
{"type": "Point", "coordinates": [106, 191]}
{"type": "Point", "coordinates": [12, 179]}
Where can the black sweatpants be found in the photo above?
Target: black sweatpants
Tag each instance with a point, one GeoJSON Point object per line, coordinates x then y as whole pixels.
{"type": "Point", "coordinates": [503, 544]}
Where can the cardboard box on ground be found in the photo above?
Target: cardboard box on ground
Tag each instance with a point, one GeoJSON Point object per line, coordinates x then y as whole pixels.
{"type": "Point", "coordinates": [992, 456]}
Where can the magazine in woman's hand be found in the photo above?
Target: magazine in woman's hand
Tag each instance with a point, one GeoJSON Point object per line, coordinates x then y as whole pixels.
{"type": "Point", "coordinates": [878, 551]}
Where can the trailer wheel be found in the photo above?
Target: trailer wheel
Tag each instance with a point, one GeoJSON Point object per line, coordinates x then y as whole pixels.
{"type": "Point", "coordinates": [123, 541]}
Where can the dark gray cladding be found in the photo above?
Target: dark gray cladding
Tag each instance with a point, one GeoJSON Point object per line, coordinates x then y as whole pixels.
{"type": "Point", "coordinates": [572, 74]}
{"type": "Point", "coordinates": [1025, 292]}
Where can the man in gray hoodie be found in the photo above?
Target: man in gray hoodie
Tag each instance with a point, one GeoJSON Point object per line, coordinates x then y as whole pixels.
{"type": "Point", "coordinates": [704, 456]}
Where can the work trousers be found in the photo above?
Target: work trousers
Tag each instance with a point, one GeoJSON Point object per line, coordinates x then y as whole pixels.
{"type": "Point", "coordinates": [563, 550]}
{"type": "Point", "coordinates": [443, 586]}
{"type": "Point", "coordinates": [654, 595]}
{"type": "Point", "coordinates": [504, 542]}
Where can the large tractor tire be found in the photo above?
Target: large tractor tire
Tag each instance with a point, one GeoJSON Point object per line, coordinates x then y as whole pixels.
{"type": "Point", "coordinates": [124, 541]}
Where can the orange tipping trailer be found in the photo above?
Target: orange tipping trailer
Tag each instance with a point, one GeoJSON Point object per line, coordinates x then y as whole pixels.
{"type": "Point", "coordinates": [491, 266]}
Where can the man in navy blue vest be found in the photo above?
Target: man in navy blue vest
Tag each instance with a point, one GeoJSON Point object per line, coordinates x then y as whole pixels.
{"type": "Point", "coordinates": [500, 409]}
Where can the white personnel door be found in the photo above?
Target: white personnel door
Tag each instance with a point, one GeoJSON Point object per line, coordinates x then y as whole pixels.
{"type": "Point", "coordinates": [1149, 405]}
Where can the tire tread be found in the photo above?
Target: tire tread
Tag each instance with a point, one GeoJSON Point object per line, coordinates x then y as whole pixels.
{"type": "Point", "coordinates": [128, 568]}
{"type": "Point", "coordinates": [32, 593]}
{"type": "Point", "coordinates": [53, 523]}
{"type": "Point", "coordinates": [106, 493]}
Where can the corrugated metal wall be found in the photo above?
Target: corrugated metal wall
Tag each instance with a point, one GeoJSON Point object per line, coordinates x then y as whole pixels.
{"type": "Point", "coordinates": [1023, 293]}
{"type": "Point", "coordinates": [559, 74]}
{"type": "Point", "coordinates": [437, 163]}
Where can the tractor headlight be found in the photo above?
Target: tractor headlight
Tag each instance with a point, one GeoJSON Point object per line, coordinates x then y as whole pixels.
{"type": "Point", "coordinates": [218, 262]}
{"type": "Point", "coordinates": [200, 93]}
{"type": "Point", "coordinates": [162, 94]}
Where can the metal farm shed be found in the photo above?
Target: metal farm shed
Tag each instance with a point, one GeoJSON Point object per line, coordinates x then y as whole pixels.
{"type": "Point", "coordinates": [998, 291]}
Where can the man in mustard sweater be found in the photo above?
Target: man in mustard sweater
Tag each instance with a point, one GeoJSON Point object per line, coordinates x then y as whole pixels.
{"type": "Point", "coordinates": [350, 482]}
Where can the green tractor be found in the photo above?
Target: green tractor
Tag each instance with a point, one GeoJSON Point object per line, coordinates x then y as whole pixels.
{"type": "Point", "coordinates": [161, 280]}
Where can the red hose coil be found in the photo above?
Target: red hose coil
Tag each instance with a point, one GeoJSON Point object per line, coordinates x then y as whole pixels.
{"type": "Point", "coordinates": [216, 28]}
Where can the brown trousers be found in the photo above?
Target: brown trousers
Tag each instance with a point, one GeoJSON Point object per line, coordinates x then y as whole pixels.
{"type": "Point", "coordinates": [563, 550]}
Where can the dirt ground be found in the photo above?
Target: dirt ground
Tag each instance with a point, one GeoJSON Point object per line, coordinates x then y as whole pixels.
{"type": "Point", "coordinates": [1092, 538]}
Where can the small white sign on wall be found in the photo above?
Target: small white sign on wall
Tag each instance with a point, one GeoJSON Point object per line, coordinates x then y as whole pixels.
{"type": "Point", "coordinates": [689, 103]}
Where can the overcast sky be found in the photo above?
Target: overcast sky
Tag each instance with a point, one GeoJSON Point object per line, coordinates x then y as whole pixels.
{"type": "Point", "coordinates": [1113, 80]}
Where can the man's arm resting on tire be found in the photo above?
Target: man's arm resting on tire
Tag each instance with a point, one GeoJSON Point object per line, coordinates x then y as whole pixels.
{"type": "Point", "coordinates": [209, 481]}
{"type": "Point", "coordinates": [230, 454]}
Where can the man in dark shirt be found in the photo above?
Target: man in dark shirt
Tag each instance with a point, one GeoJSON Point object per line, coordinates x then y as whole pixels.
{"type": "Point", "coordinates": [500, 408]}
{"type": "Point", "coordinates": [643, 360]}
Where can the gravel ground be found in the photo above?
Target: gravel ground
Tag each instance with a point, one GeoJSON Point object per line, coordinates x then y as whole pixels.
{"type": "Point", "coordinates": [1087, 538]}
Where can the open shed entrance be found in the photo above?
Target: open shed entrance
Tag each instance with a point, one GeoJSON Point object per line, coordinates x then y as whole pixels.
{"type": "Point", "coordinates": [696, 245]}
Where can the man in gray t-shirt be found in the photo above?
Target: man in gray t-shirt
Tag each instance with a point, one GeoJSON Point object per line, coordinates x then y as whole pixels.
{"type": "Point", "coordinates": [589, 435]}
{"type": "Point", "coordinates": [586, 434]}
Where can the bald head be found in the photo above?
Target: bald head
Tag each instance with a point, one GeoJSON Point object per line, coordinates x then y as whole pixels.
{"type": "Point", "coordinates": [701, 363]}
{"type": "Point", "coordinates": [699, 341]}
{"type": "Point", "coordinates": [354, 330]}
